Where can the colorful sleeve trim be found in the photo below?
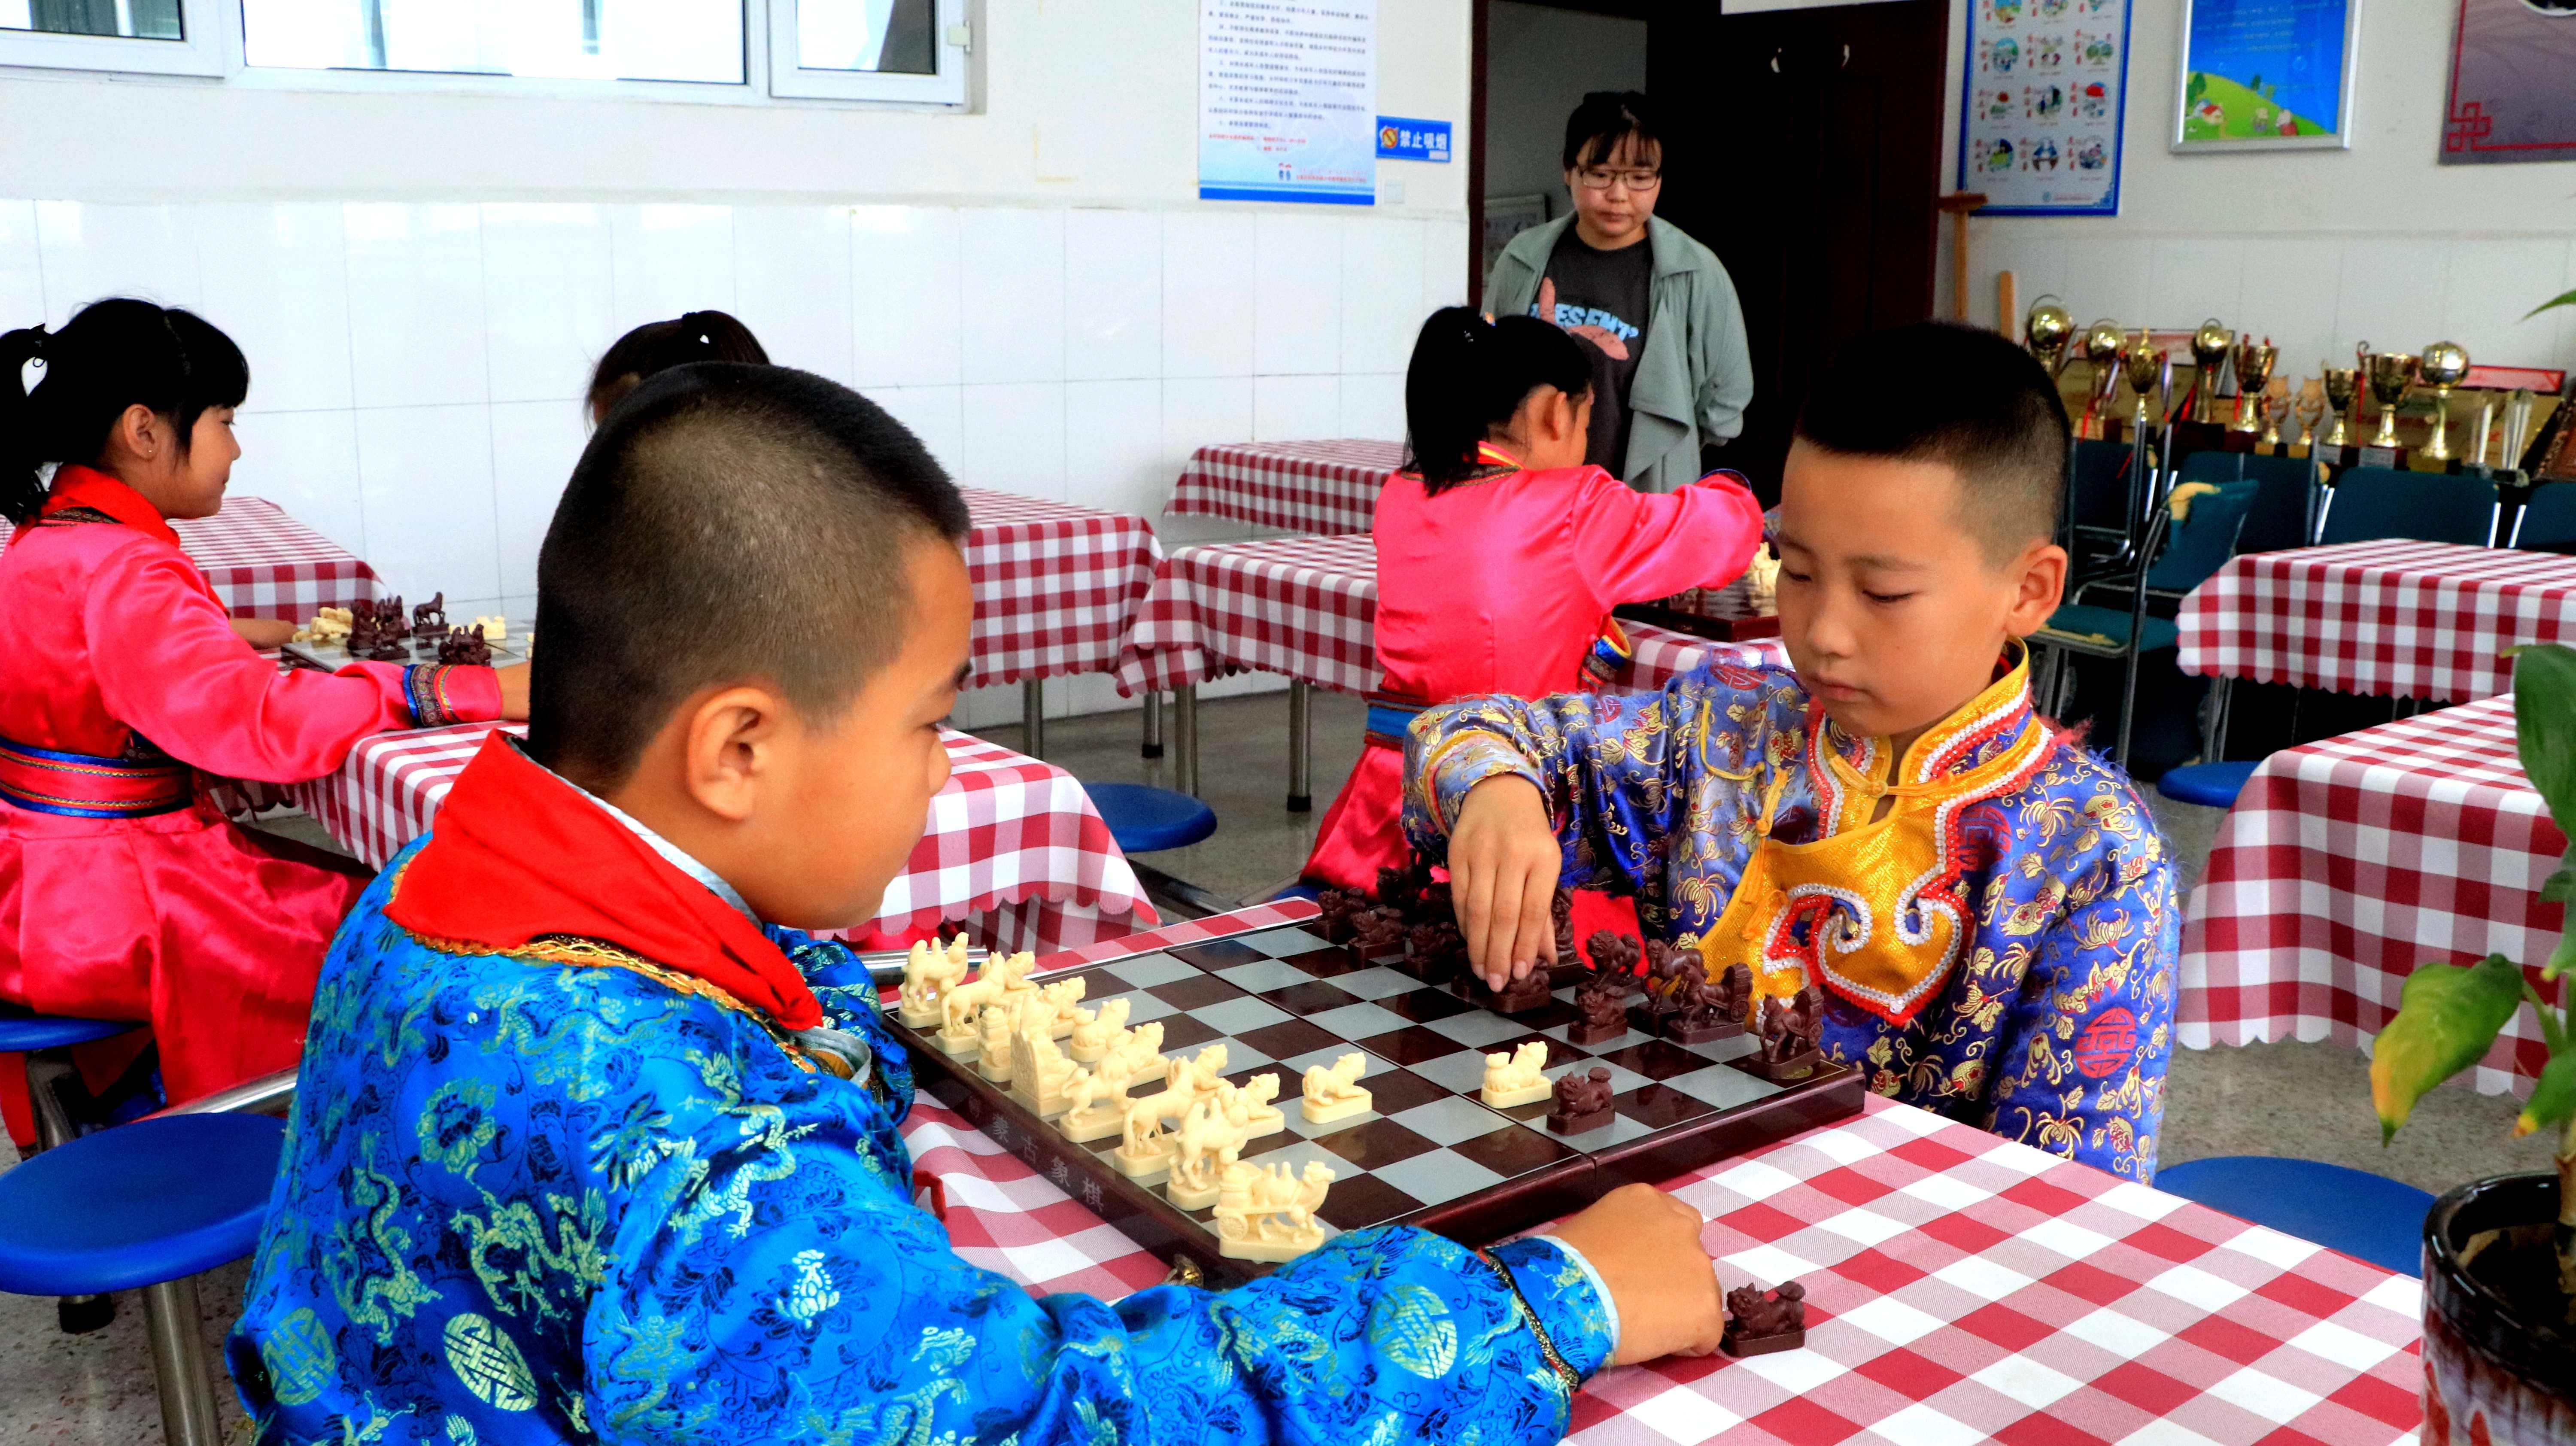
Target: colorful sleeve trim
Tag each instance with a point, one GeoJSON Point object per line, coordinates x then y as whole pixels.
{"type": "Point", "coordinates": [1565, 1374]}
{"type": "Point", "coordinates": [425, 689]}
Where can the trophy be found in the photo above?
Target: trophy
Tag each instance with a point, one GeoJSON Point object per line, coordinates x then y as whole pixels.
{"type": "Point", "coordinates": [2444, 364]}
{"type": "Point", "coordinates": [2310, 409]}
{"type": "Point", "coordinates": [2046, 331]}
{"type": "Point", "coordinates": [2390, 374]}
{"type": "Point", "coordinates": [2208, 348]}
{"type": "Point", "coordinates": [2254, 363]}
{"type": "Point", "coordinates": [2142, 361]}
{"type": "Point", "coordinates": [2343, 384]}
{"type": "Point", "coordinates": [2102, 345]}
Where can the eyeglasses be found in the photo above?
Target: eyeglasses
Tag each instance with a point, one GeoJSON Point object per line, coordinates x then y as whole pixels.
{"type": "Point", "coordinates": [1599, 178]}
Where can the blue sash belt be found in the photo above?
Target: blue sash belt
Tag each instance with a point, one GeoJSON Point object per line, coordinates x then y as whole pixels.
{"type": "Point", "coordinates": [76, 785]}
{"type": "Point", "coordinates": [1388, 718]}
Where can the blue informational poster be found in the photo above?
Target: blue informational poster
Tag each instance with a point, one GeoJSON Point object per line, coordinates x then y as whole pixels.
{"type": "Point", "coordinates": [2263, 74]}
{"type": "Point", "coordinates": [1288, 101]}
{"type": "Point", "coordinates": [2043, 106]}
{"type": "Point", "coordinates": [1399, 139]}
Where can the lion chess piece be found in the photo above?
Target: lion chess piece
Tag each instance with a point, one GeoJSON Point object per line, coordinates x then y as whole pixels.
{"type": "Point", "coordinates": [1791, 1029]}
{"type": "Point", "coordinates": [1758, 1324]}
{"type": "Point", "coordinates": [1603, 1000]}
{"type": "Point", "coordinates": [1582, 1102]}
{"type": "Point", "coordinates": [1380, 934]}
{"type": "Point", "coordinates": [1437, 952]}
{"type": "Point", "coordinates": [1335, 1093]}
{"type": "Point", "coordinates": [1516, 1078]}
{"type": "Point", "coordinates": [1339, 910]}
{"type": "Point", "coordinates": [1612, 953]}
{"type": "Point", "coordinates": [1096, 1031]}
{"type": "Point", "coordinates": [1712, 1008]}
{"type": "Point", "coordinates": [1520, 995]}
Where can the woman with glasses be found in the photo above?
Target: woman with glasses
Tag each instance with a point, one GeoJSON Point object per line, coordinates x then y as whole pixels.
{"type": "Point", "coordinates": [1672, 373]}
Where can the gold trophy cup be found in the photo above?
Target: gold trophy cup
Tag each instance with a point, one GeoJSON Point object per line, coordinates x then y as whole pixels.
{"type": "Point", "coordinates": [2046, 330]}
{"type": "Point", "coordinates": [2142, 361]}
{"type": "Point", "coordinates": [2343, 384]}
{"type": "Point", "coordinates": [2208, 349]}
{"type": "Point", "coordinates": [2444, 364]}
{"type": "Point", "coordinates": [2392, 375]}
{"type": "Point", "coordinates": [2101, 346]}
{"type": "Point", "coordinates": [2254, 363]}
{"type": "Point", "coordinates": [2310, 409]}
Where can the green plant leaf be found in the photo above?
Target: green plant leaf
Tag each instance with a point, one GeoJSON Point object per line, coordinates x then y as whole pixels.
{"type": "Point", "coordinates": [2553, 1099]}
{"type": "Point", "coordinates": [2567, 300]}
{"type": "Point", "coordinates": [2544, 722]}
{"type": "Point", "coordinates": [2560, 887]}
{"type": "Point", "coordinates": [2561, 958]}
{"type": "Point", "coordinates": [2447, 1016]}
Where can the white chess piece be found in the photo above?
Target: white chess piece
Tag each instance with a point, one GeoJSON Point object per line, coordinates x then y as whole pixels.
{"type": "Point", "coordinates": [1251, 1109]}
{"type": "Point", "coordinates": [1040, 1073]}
{"type": "Point", "coordinates": [1517, 1078]}
{"type": "Point", "coordinates": [1208, 1144]}
{"type": "Point", "coordinates": [993, 1033]}
{"type": "Point", "coordinates": [1096, 1102]}
{"type": "Point", "coordinates": [1145, 1041]}
{"type": "Point", "coordinates": [1332, 1094]}
{"type": "Point", "coordinates": [928, 975]}
{"type": "Point", "coordinates": [1063, 999]}
{"type": "Point", "coordinates": [1098, 1029]}
{"type": "Point", "coordinates": [1145, 1148]}
{"type": "Point", "coordinates": [961, 1008]}
{"type": "Point", "coordinates": [1270, 1215]}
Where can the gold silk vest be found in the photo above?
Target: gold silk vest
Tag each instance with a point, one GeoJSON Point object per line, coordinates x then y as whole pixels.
{"type": "Point", "coordinates": [1879, 900]}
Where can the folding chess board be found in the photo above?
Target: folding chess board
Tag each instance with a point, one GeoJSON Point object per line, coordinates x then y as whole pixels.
{"type": "Point", "coordinates": [1430, 1153]}
{"type": "Point", "coordinates": [331, 657]}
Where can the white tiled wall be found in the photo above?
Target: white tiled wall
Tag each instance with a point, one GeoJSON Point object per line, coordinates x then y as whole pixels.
{"type": "Point", "coordinates": [417, 367]}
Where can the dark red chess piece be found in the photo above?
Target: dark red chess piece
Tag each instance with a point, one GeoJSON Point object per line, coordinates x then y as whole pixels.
{"type": "Point", "coordinates": [429, 620]}
{"type": "Point", "coordinates": [1669, 973]}
{"type": "Point", "coordinates": [1712, 1009]}
{"type": "Point", "coordinates": [1567, 969]}
{"type": "Point", "coordinates": [464, 647]}
{"type": "Point", "coordinates": [1581, 1102]}
{"type": "Point", "coordinates": [1612, 953]}
{"type": "Point", "coordinates": [1791, 1030]}
{"type": "Point", "coordinates": [1758, 1324]}
{"type": "Point", "coordinates": [1435, 952]}
{"type": "Point", "coordinates": [1378, 933]}
{"type": "Point", "coordinates": [1334, 924]}
{"type": "Point", "coordinates": [362, 629]}
{"type": "Point", "coordinates": [1603, 999]}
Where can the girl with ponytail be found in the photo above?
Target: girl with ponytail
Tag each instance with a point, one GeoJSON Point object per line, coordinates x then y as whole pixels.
{"type": "Point", "coordinates": [1500, 556]}
{"type": "Point", "coordinates": [124, 893]}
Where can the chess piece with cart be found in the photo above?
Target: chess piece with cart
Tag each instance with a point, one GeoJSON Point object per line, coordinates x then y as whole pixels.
{"type": "Point", "coordinates": [1712, 1009]}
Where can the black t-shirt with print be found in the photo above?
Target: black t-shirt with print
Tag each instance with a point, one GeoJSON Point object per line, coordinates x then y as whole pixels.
{"type": "Point", "coordinates": [1613, 290]}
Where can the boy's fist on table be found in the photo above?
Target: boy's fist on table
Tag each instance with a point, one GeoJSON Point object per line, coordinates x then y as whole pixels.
{"type": "Point", "coordinates": [1645, 1244]}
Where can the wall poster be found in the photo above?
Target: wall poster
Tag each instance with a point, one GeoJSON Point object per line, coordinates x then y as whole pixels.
{"type": "Point", "coordinates": [2263, 75]}
{"type": "Point", "coordinates": [2040, 127]}
{"type": "Point", "coordinates": [2513, 83]}
{"type": "Point", "coordinates": [1288, 101]}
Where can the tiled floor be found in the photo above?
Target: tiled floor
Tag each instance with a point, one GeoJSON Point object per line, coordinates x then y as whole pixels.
{"type": "Point", "coordinates": [2307, 1099]}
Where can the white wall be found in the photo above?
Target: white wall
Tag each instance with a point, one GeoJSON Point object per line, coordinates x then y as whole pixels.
{"type": "Point", "coordinates": [2318, 249]}
{"type": "Point", "coordinates": [1539, 63]}
{"type": "Point", "coordinates": [422, 283]}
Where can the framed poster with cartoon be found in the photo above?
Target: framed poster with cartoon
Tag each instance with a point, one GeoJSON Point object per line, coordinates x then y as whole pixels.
{"type": "Point", "coordinates": [2265, 75]}
{"type": "Point", "coordinates": [2040, 126]}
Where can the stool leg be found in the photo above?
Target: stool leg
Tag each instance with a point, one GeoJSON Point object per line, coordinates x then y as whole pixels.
{"type": "Point", "coordinates": [1153, 725]}
{"type": "Point", "coordinates": [171, 1324]}
{"type": "Point", "coordinates": [1185, 736]}
{"type": "Point", "coordinates": [75, 1315]}
{"type": "Point", "coordinates": [1033, 717]}
{"type": "Point", "coordinates": [1301, 747]}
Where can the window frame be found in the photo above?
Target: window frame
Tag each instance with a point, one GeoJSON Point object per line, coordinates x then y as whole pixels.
{"type": "Point", "coordinates": [946, 89]}
{"type": "Point", "coordinates": [206, 52]}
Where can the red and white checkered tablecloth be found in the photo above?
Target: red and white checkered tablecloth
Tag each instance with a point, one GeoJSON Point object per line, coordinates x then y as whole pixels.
{"type": "Point", "coordinates": [1056, 586]}
{"type": "Point", "coordinates": [1322, 487]}
{"type": "Point", "coordinates": [1306, 607]}
{"type": "Point", "coordinates": [2404, 619]}
{"type": "Point", "coordinates": [265, 564]}
{"type": "Point", "coordinates": [1959, 1287]}
{"type": "Point", "coordinates": [2347, 863]}
{"type": "Point", "coordinates": [1013, 846]}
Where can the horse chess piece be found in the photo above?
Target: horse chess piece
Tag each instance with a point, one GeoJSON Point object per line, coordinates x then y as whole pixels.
{"type": "Point", "coordinates": [1582, 1102]}
{"type": "Point", "coordinates": [1791, 1031]}
{"type": "Point", "coordinates": [928, 974]}
{"type": "Point", "coordinates": [429, 620]}
{"type": "Point", "coordinates": [1669, 974]}
{"type": "Point", "coordinates": [1208, 1145]}
{"type": "Point", "coordinates": [1758, 1324]}
{"type": "Point", "coordinates": [1516, 1078]}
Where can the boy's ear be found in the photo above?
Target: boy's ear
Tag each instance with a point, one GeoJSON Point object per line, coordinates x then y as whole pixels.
{"type": "Point", "coordinates": [729, 741]}
{"type": "Point", "coordinates": [2038, 579]}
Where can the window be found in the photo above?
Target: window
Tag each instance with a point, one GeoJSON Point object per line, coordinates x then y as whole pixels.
{"type": "Point", "coordinates": [734, 51]}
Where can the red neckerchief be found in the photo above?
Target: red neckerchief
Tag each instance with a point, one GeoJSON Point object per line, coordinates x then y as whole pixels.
{"type": "Point", "coordinates": [78, 486]}
{"type": "Point", "coordinates": [515, 854]}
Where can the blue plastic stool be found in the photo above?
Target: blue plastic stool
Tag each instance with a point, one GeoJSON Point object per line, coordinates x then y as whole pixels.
{"type": "Point", "coordinates": [152, 1204]}
{"type": "Point", "coordinates": [42, 1038]}
{"type": "Point", "coordinates": [1145, 819]}
{"type": "Point", "coordinates": [2370, 1216]}
{"type": "Point", "coordinates": [2211, 785]}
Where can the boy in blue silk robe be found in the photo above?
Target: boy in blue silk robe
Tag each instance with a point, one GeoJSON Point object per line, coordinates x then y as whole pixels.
{"type": "Point", "coordinates": [1987, 908]}
{"type": "Point", "coordinates": [583, 1149]}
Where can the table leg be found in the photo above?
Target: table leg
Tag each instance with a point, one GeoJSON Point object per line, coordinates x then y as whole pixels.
{"type": "Point", "coordinates": [1033, 717]}
{"type": "Point", "coordinates": [2221, 693]}
{"type": "Point", "coordinates": [1185, 736]}
{"type": "Point", "coordinates": [1301, 746]}
{"type": "Point", "coordinates": [1153, 725]}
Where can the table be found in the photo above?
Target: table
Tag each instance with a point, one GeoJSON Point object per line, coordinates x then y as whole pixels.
{"type": "Point", "coordinates": [2347, 863]}
{"type": "Point", "coordinates": [1056, 587]}
{"type": "Point", "coordinates": [1324, 487]}
{"type": "Point", "coordinates": [265, 564]}
{"type": "Point", "coordinates": [1013, 844]}
{"type": "Point", "coordinates": [2426, 620]}
{"type": "Point", "coordinates": [1959, 1286]}
{"type": "Point", "coordinates": [1306, 607]}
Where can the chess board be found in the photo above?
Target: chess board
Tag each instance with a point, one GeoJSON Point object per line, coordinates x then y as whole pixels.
{"type": "Point", "coordinates": [331, 657]}
{"type": "Point", "coordinates": [1430, 1153]}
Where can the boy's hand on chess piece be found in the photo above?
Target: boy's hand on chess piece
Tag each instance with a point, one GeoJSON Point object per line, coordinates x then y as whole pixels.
{"type": "Point", "coordinates": [514, 692]}
{"type": "Point", "coordinates": [1646, 1246]}
{"type": "Point", "coordinates": [1503, 863]}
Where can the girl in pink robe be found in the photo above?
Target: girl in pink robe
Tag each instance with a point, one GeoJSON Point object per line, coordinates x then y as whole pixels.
{"type": "Point", "coordinates": [1500, 556]}
{"type": "Point", "coordinates": [124, 893]}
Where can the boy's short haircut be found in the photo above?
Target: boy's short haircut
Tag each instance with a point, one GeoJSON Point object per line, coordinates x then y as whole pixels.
{"type": "Point", "coordinates": [729, 523]}
{"type": "Point", "coordinates": [1937, 391]}
{"type": "Point", "coordinates": [1603, 120]}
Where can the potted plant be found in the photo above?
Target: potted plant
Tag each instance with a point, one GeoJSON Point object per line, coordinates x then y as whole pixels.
{"type": "Point", "coordinates": [2500, 1253]}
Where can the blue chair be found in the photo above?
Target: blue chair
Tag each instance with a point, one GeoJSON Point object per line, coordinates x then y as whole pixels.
{"type": "Point", "coordinates": [42, 1039]}
{"type": "Point", "coordinates": [2369, 503]}
{"type": "Point", "coordinates": [153, 1205]}
{"type": "Point", "coordinates": [2548, 521]}
{"type": "Point", "coordinates": [2368, 1216]}
{"type": "Point", "coordinates": [1145, 819]}
{"type": "Point", "coordinates": [2216, 468]}
{"type": "Point", "coordinates": [2210, 785]}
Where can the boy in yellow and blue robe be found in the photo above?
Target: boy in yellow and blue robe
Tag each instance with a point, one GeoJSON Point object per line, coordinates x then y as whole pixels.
{"type": "Point", "coordinates": [1986, 907]}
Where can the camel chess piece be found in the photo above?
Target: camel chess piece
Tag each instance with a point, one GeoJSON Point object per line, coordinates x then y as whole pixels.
{"type": "Point", "coordinates": [462, 649]}
{"type": "Point", "coordinates": [1516, 1078]}
{"type": "Point", "coordinates": [1712, 1009]}
{"type": "Point", "coordinates": [928, 974]}
{"type": "Point", "coordinates": [1603, 1001]}
{"type": "Point", "coordinates": [1335, 1093]}
{"type": "Point", "coordinates": [1582, 1102]}
{"type": "Point", "coordinates": [1208, 1145]}
{"type": "Point", "coordinates": [1758, 1324]}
